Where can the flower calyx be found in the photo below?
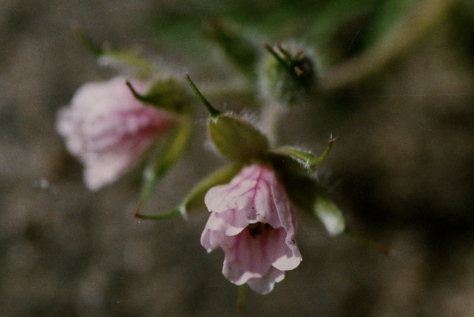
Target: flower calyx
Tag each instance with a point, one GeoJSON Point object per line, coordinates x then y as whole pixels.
{"type": "Point", "coordinates": [166, 94]}
{"type": "Point", "coordinates": [234, 138]}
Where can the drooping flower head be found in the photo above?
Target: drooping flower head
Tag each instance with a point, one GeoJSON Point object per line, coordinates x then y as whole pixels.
{"type": "Point", "coordinates": [109, 130]}
{"type": "Point", "coordinates": [253, 221]}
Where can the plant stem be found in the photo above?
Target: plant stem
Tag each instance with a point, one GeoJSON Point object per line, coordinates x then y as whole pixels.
{"type": "Point", "coordinates": [242, 300]}
{"type": "Point", "coordinates": [270, 117]}
{"type": "Point", "coordinates": [401, 38]}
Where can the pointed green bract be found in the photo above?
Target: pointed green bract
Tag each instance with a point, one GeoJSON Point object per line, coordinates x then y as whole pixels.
{"type": "Point", "coordinates": [170, 156]}
{"type": "Point", "coordinates": [166, 94]}
{"type": "Point", "coordinates": [236, 139]}
{"type": "Point", "coordinates": [305, 158]}
{"type": "Point", "coordinates": [115, 58]}
{"type": "Point", "coordinates": [128, 61]}
{"type": "Point", "coordinates": [213, 112]}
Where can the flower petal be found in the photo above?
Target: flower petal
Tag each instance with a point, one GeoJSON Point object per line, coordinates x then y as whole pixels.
{"type": "Point", "coordinates": [109, 130]}
{"type": "Point", "coordinates": [265, 284]}
{"type": "Point", "coordinates": [251, 255]}
{"type": "Point", "coordinates": [253, 221]}
{"type": "Point", "coordinates": [249, 194]}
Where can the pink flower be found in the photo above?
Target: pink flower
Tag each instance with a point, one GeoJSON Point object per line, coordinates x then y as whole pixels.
{"type": "Point", "coordinates": [109, 130]}
{"type": "Point", "coordinates": [253, 221]}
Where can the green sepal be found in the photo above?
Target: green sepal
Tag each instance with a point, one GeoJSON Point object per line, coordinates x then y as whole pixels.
{"type": "Point", "coordinates": [128, 61]}
{"type": "Point", "coordinates": [158, 167]}
{"type": "Point", "coordinates": [120, 59]}
{"type": "Point", "coordinates": [195, 198]}
{"type": "Point", "coordinates": [167, 94]}
{"type": "Point", "coordinates": [236, 139]}
{"type": "Point", "coordinates": [238, 49]}
{"type": "Point", "coordinates": [305, 158]}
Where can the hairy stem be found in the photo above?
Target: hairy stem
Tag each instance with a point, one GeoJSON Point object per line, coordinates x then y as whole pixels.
{"type": "Point", "coordinates": [270, 117]}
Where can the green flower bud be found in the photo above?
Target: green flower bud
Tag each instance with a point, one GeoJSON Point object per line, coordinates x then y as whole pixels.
{"type": "Point", "coordinates": [236, 139]}
{"type": "Point", "coordinates": [288, 75]}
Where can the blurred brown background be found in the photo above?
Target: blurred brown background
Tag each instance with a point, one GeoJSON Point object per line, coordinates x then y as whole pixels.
{"type": "Point", "coordinates": [402, 170]}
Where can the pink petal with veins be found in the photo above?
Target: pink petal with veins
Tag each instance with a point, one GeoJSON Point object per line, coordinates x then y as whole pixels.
{"type": "Point", "coordinates": [253, 221]}
{"type": "Point", "coordinates": [109, 130]}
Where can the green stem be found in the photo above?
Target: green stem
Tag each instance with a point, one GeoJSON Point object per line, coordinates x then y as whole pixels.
{"type": "Point", "coordinates": [399, 40]}
{"type": "Point", "coordinates": [171, 154]}
{"type": "Point", "coordinates": [270, 117]}
{"type": "Point", "coordinates": [242, 300]}
{"type": "Point", "coordinates": [163, 216]}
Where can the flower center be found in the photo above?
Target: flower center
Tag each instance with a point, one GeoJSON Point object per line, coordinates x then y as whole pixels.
{"type": "Point", "coordinates": [258, 228]}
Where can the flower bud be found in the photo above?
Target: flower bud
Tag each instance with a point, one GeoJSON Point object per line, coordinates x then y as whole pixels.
{"type": "Point", "coordinates": [234, 138]}
{"type": "Point", "coordinates": [288, 75]}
